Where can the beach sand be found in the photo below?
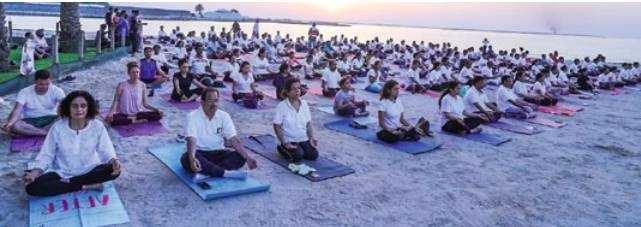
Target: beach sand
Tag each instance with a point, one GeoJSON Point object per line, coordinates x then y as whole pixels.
{"type": "Point", "coordinates": [585, 174]}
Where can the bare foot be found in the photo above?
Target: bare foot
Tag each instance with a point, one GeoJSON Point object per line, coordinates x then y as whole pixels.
{"type": "Point", "coordinates": [95, 187]}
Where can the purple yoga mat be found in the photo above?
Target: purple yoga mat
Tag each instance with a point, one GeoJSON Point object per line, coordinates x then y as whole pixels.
{"type": "Point", "coordinates": [515, 128]}
{"type": "Point", "coordinates": [24, 144]}
{"type": "Point", "coordinates": [180, 105]}
{"type": "Point", "coordinates": [140, 129]}
{"type": "Point", "coordinates": [266, 103]}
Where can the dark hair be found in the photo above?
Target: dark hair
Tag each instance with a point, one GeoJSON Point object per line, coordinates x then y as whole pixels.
{"type": "Point", "coordinates": [450, 85]}
{"type": "Point", "coordinates": [289, 83]}
{"type": "Point", "coordinates": [385, 92]}
{"type": "Point", "coordinates": [505, 78]}
{"type": "Point", "coordinates": [43, 74]}
{"type": "Point", "coordinates": [538, 76]}
{"type": "Point", "coordinates": [182, 62]}
{"type": "Point", "coordinates": [206, 92]}
{"type": "Point", "coordinates": [243, 65]}
{"type": "Point", "coordinates": [132, 65]}
{"type": "Point", "coordinates": [283, 67]}
{"type": "Point", "coordinates": [344, 80]}
{"type": "Point", "coordinates": [64, 110]}
{"type": "Point", "coordinates": [156, 46]}
{"type": "Point", "coordinates": [147, 48]}
{"type": "Point", "coordinates": [477, 79]}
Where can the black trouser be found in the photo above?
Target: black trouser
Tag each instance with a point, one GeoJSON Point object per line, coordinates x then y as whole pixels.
{"type": "Point", "coordinates": [544, 101]}
{"type": "Point", "coordinates": [50, 184]}
{"type": "Point", "coordinates": [188, 93]}
{"type": "Point", "coordinates": [389, 137]}
{"type": "Point", "coordinates": [214, 163]}
{"type": "Point", "coordinates": [455, 126]}
{"type": "Point", "coordinates": [303, 150]}
{"type": "Point", "coordinates": [492, 118]}
{"type": "Point", "coordinates": [349, 111]}
{"type": "Point", "coordinates": [330, 92]}
{"type": "Point", "coordinates": [436, 87]}
{"type": "Point", "coordinates": [123, 119]}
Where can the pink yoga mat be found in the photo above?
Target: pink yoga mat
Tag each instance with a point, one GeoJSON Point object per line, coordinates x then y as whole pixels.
{"type": "Point", "coordinates": [569, 107]}
{"type": "Point", "coordinates": [555, 110]}
{"type": "Point", "coordinates": [26, 143]}
{"type": "Point", "coordinates": [181, 105]}
{"type": "Point", "coordinates": [546, 122]}
{"type": "Point", "coordinates": [140, 129]}
{"type": "Point", "coordinates": [432, 94]}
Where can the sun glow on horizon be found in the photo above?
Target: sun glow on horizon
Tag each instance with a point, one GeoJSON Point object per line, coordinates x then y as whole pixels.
{"type": "Point", "coordinates": [333, 6]}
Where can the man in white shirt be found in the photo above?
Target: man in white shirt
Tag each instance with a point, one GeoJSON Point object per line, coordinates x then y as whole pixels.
{"type": "Point", "coordinates": [477, 102]}
{"type": "Point", "coordinates": [510, 104]}
{"type": "Point", "coordinates": [329, 80]}
{"type": "Point", "coordinates": [414, 84]}
{"type": "Point", "coordinates": [42, 48]}
{"type": "Point", "coordinates": [200, 65]}
{"type": "Point", "coordinates": [36, 107]}
{"type": "Point", "coordinates": [206, 131]}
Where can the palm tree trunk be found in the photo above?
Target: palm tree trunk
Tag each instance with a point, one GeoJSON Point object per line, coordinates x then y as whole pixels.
{"type": "Point", "coordinates": [69, 27]}
{"type": "Point", "coordinates": [4, 46]}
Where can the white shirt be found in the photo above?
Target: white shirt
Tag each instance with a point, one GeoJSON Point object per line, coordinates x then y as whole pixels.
{"type": "Point", "coordinates": [503, 97]}
{"type": "Point", "coordinates": [308, 68]}
{"type": "Point", "coordinates": [451, 105]}
{"type": "Point", "coordinates": [411, 76]}
{"type": "Point", "coordinates": [374, 73]}
{"type": "Point", "coordinates": [466, 74]}
{"type": "Point", "coordinates": [539, 89]}
{"type": "Point", "coordinates": [331, 78]}
{"type": "Point", "coordinates": [70, 154]}
{"type": "Point", "coordinates": [475, 96]}
{"type": "Point", "coordinates": [198, 65]}
{"type": "Point", "coordinates": [243, 85]}
{"type": "Point", "coordinates": [392, 112]}
{"type": "Point", "coordinates": [292, 122]}
{"type": "Point", "coordinates": [160, 58]}
{"type": "Point", "coordinates": [229, 67]}
{"type": "Point", "coordinates": [260, 65]}
{"type": "Point", "coordinates": [435, 77]}
{"type": "Point", "coordinates": [520, 88]}
{"type": "Point", "coordinates": [563, 77]}
{"type": "Point", "coordinates": [357, 63]}
{"type": "Point", "coordinates": [209, 134]}
{"type": "Point", "coordinates": [181, 52]}
{"type": "Point", "coordinates": [34, 105]}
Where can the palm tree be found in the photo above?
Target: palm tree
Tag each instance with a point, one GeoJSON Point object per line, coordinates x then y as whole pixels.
{"type": "Point", "coordinates": [4, 47]}
{"type": "Point", "coordinates": [69, 27]}
{"type": "Point", "coordinates": [199, 8]}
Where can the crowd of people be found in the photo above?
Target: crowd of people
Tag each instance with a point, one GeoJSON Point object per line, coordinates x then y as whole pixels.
{"type": "Point", "coordinates": [462, 75]}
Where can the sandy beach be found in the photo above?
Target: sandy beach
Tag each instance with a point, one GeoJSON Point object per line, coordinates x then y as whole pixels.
{"type": "Point", "coordinates": [585, 174]}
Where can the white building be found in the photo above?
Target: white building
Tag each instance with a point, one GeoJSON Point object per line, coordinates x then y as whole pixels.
{"type": "Point", "coordinates": [223, 14]}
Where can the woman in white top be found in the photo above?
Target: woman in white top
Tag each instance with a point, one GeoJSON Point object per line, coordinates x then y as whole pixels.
{"type": "Point", "coordinates": [77, 153]}
{"type": "Point", "coordinates": [376, 79]}
{"type": "Point", "coordinates": [454, 117]}
{"type": "Point", "coordinates": [293, 125]}
{"type": "Point", "coordinates": [244, 86]}
{"type": "Point", "coordinates": [391, 119]}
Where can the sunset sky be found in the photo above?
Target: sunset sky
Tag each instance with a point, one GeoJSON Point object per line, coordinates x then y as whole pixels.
{"type": "Point", "coordinates": [601, 19]}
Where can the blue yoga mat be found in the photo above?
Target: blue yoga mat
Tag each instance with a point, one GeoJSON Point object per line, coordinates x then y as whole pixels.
{"type": "Point", "coordinates": [369, 134]}
{"type": "Point", "coordinates": [483, 137]}
{"type": "Point", "coordinates": [170, 154]}
{"type": "Point", "coordinates": [265, 145]}
{"type": "Point", "coordinates": [81, 208]}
